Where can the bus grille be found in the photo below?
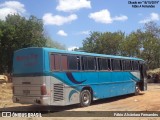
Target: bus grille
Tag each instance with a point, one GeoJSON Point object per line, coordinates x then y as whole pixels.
{"type": "Point", "coordinates": [58, 92]}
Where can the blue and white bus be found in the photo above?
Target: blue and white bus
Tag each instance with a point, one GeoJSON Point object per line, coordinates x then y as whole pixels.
{"type": "Point", "coordinates": [48, 76]}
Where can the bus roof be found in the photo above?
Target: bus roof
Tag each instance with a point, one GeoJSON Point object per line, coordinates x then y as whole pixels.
{"type": "Point", "coordinates": [81, 53]}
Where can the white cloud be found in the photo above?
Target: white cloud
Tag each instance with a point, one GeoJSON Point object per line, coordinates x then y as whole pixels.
{"type": "Point", "coordinates": [120, 18]}
{"type": "Point", "coordinates": [11, 7]}
{"type": "Point", "coordinates": [104, 16]}
{"type": "Point", "coordinates": [62, 33]}
{"type": "Point", "coordinates": [155, 16]}
{"type": "Point", "coordinates": [71, 5]}
{"type": "Point", "coordinates": [72, 48]}
{"type": "Point", "coordinates": [50, 19]}
{"type": "Point", "coordinates": [152, 17]}
{"type": "Point", "coordinates": [86, 32]}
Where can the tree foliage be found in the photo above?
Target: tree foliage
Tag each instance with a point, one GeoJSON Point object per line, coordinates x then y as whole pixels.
{"type": "Point", "coordinates": [54, 44]}
{"type": "Point", "coordinates": [151, 44]}
{"type": "Point", "coordinates": [105, 43]}
{"type": "Point", "coordinates": [143, 43]}
{"type": "Point", "coordinates": [17, 32]}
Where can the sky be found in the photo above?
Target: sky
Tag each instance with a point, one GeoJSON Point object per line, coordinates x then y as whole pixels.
{"type": "Point", "coordinates": [69, 22]}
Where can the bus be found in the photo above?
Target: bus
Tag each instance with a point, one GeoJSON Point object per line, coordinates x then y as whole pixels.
{"type": "Point", "coordinates": [48, 76]}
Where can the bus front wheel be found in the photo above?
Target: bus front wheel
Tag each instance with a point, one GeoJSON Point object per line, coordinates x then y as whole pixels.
{"type": "Point", "coordinates": [85, 98]}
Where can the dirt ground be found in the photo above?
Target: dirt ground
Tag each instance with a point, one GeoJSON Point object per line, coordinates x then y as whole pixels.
{"type": "Point", "coordinates": [147, 101]}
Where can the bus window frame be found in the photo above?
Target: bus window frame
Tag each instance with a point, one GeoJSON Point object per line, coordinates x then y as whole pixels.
{"type": "Point", "coordinates": [113, 66]}
{"type": "Point", "coordinates": [54, 61]}
{"type": "Point", "coordinates": [109, 64]}
{"type": "Point", "coordinates": [131, 66]}
{"type": "Point", "coordinates": [95, 63]}
{"type": "Point", "coordinates": [60, 59]}
{"type": "Point", "coordinates": [77, 66]}
{"type": "Point", "coordinates": [138, 62]}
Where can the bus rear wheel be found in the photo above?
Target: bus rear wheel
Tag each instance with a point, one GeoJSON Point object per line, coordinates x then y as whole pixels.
{"type": "Point", "coordinates": [137, 90]}
{"type": "Point", "coordinates": [85, 98]}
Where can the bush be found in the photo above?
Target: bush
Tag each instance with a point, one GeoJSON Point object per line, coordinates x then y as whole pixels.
{"type": "Point", "coordinates": [154, 75]}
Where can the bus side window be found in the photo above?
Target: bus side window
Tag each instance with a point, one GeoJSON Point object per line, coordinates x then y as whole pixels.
{"type": "Point", "coordinates": [116, 64]}
{"type": "Point", "coordinates": [109, 64]}
{"type": "Point", "coordinates": [103, 64]}
{"type": "Point", "coordinates": [64, 62]}
{"type": "Point", "coordinates": [127, 65]}
{"type": "Point", "coordinates": [95, 64]}
{"type": "Point", "coordinates": [54, 62]}
{"type": "Point", "coordinates": [135, 65]}
{"type": "Point", "coordinates": [73, 63]}
{"type": "Point", "coordinates": [78, 63]}
{"type": "Point", "coordinates": [124, 64]}
{"type": "Point", "coordinates": [84, 63]}
{"type": "Point", "coordinates": [91, 63]}
{"type": "Point", "coordinates": [99, 63]}
{"type": "Point", "coordinates": [88, 63]}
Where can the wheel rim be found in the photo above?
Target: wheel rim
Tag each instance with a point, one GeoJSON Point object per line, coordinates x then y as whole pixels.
{"type": "Point", "coordinates": [137, 90]}
{"type": "Point", "coordinates": [86, 98]}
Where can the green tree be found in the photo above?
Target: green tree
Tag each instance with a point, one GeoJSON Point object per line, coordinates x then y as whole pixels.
{"type": "Point", "coordinates": [143, 43]}
{"type": "Point", "coordinates": [151, 44]}
{"type": "Point", "coordinates": [104, 43]}
{"type": "Point", "coordinates": [132, 44]}
{"type": "Point", "coordinates": [17, 32]}
{"type": "Point", "coordinates": [54, 44]}
{"type": "Point", "coordinates": [89, 44]}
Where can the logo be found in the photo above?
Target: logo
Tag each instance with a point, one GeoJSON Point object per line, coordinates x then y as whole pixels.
{"type": "Point", "coordinates": [6, 114]}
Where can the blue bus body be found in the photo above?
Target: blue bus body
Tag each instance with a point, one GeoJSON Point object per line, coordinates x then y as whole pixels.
{"type": "Point", "coordinates": [32, 71]}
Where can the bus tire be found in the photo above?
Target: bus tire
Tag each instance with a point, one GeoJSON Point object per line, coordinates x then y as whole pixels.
{"type": "Point", "coordinates": [137, 90]}
{"type": "Point", "coordinates": [85, 98]}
